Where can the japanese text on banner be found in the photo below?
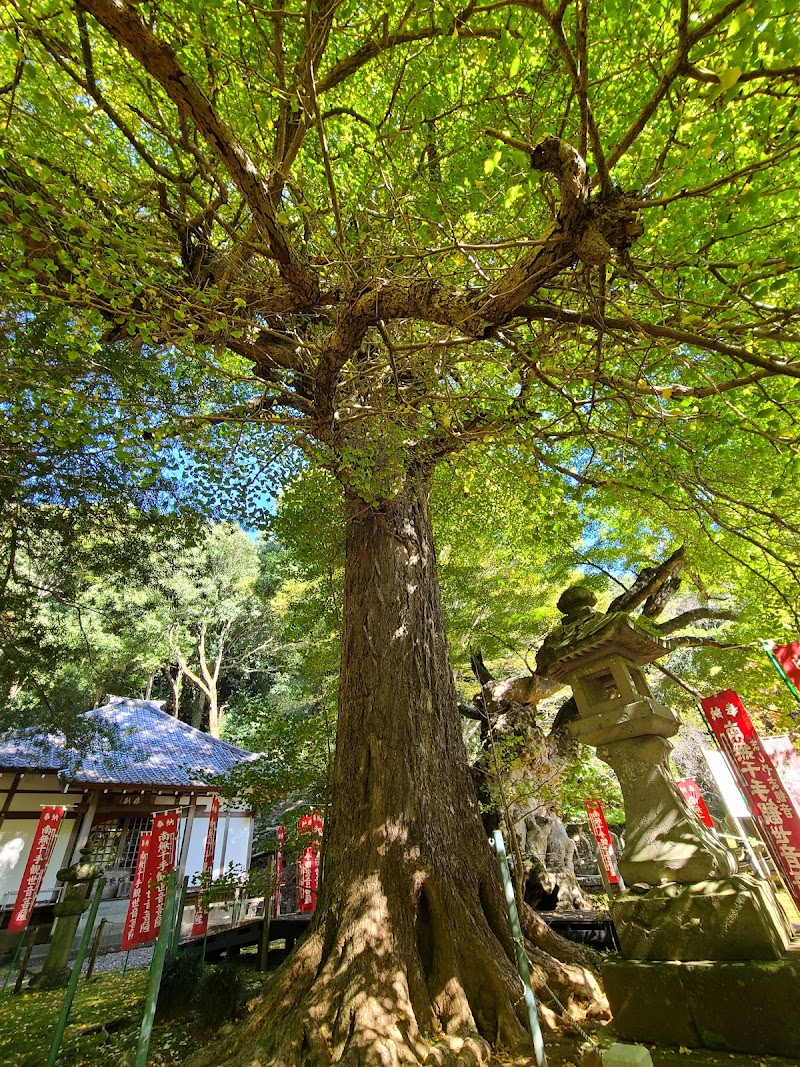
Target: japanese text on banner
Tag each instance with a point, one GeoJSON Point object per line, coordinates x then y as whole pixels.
{"type": "Point", "coordinates": [161, 862]}
{"type": "Point", "coordinates": [772, 806]}
{"type": "Point", "coordinates": [200, 922]}
{"type": "Point", "coordinates": [41, 850]}
{"type": "Point", "coordinates": [694, 798]}
{"type": "Point", "coordinates": [131, 934]}
{"type": "Point", "coordinates": [602, 835]}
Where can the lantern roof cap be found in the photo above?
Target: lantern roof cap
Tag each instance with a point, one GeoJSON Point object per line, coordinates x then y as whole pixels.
{"type": "Point", "coordinates": [587, 635]}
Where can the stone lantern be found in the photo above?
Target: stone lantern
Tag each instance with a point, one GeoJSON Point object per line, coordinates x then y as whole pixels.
{"type": "Point", "coordinates": [704, 958]}
{"type": "Point", "coordinates": [685, 901]}
{"type": "Point", "coordinates": [600, 657]}
{"type": "Point", "coordinates": [78, 880]}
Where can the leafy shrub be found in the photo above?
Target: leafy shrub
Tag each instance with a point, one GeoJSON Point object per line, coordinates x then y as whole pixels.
{"type": "Point", "coordinates": [178, 985]}
{"type": "Point", "coordinates": [221, 993]}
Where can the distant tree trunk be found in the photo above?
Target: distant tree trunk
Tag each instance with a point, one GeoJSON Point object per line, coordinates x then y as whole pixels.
{"type": "Point", "coordinates": [14, 689]}
{"type": "Point", "coordinates": [204, 680]}
{"type": "Point", "coordinates": [213, 713]}
{"type": "Point", "coordinates": [412, 908]}
{"type": "Point", "coordinates": [197, 708]}
{"type": "Point", "coordinates": [175, 687]}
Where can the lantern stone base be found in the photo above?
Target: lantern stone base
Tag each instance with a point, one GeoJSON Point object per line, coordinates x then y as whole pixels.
{"type": "Point", "coordinates": [733, 918]}
{"type": "Point", "coordinates": [749, 1007]}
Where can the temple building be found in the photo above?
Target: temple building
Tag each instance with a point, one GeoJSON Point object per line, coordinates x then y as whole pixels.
{"type": "Point", "coordinates": [146, 761]}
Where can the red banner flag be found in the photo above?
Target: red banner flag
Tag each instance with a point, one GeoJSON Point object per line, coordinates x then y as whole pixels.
{"type": "Point", "coordinates": [161, 861]}
{"type": "Point", "coordinates": [308, 878]}
{"type": "Point", "coordinates": [602, 835]}
{"type": "Point", "coordinates": [44, 841]}
{"type": "Point", "coordinates": [789, 658]}
{"type": "Point", "coordinates": [773, 810]}
{"type": "Point", "coordinates": [310, 824]}
{"type": "Point", "coordinates": [200, 923]}
{"type": "Point", "coordinates": [694, 798]}
{"type": "Point", "coordinates": [276, 904]}
{"type": "Point", "coordinates": [786, 762]}
{"type": "Point", "coordinates": [131, 932]}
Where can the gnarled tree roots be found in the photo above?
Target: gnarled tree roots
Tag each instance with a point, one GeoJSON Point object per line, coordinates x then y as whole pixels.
{"type": "Point", "coordinates": [360, 994]}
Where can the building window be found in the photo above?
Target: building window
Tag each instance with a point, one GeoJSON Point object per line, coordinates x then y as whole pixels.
{"type": "Point", "coordinates": [130, 841]}
{"type": "Point", "coordinates": [104, 839]}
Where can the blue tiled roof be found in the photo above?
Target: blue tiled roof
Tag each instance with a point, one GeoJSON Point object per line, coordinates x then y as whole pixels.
{"type": "Point", "coordinates": [146, 747]}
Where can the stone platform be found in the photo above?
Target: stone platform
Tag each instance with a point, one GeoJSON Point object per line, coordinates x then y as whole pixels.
{"type": "Point", "coordinates": [730, 919]}
{"type": "Point", "coordinates": [750, 1007]}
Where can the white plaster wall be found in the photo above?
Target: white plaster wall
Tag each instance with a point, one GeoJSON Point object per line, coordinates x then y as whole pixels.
{"type": "Point", "coordinates": [197, 846]}
{"type": "Point", "coordinates": [35, 801]}
{"type": "Point", "coordinates": [16, 838]}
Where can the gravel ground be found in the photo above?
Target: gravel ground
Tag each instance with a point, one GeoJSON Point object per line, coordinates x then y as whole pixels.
{"type": "Point", "coordinates": [115, 961]}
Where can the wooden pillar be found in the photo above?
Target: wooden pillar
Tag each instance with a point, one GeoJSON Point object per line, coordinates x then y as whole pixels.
{"type": "Point", "coordinates": [86, 826]}
{"type": "Point", "coordinates": [9, 797]}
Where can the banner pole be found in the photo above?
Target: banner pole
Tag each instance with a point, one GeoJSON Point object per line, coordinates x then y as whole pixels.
{"type": "Point", "coordinates": [767, 646]}
{"type": "Point", "coordinates": [762, 833]}
{"type": "Point", "coordinates": [156, 970]}
{"type": "Point", "coordinates": [698, 698]}
{"type": "Point", "coordinates": [774, 813]}
{"type": "Point", "coordinates": [69, 996]}
{"type": "Point", "coordinates": [95, 948]}
{"type": "Point", "coordinates": [125, 965]}
{"type": "Point", "coordinates": [264, 960]}
{"type": "Point", "coordinates": [519, 949]}
{"type": "Point", "coordinates": [23, 967]}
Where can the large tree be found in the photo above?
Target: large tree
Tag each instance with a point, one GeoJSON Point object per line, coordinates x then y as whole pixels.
{"type": "Point", "coordinates": [567, 227]}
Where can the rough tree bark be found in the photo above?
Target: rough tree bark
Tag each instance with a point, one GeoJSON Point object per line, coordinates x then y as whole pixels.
{"type": "Point", "coordinates": [409, 958]}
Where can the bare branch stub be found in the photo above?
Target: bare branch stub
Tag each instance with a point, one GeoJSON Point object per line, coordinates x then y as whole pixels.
{"type": "Point", "coordinates": [649, 582]}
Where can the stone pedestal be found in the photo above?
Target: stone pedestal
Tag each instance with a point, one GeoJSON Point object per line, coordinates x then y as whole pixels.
{"type": "Point", "coordinates": [664, 840]}
{"type": "Point", "coordinates": [729, 919]}
{"type": "Point", "coordinates": [749, 1007]}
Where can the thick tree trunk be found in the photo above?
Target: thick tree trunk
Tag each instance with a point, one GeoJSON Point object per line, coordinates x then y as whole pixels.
{"type": "Point", "coordinates": [409, 959]}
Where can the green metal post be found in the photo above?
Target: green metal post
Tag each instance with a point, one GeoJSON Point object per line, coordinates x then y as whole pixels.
{"type": "Point", "coordinates": [156, 970]}
{"type": "Point", "coordinates": [176, 933]}
{"type": "Point", "coordinates": [69, 996]}
{"type": "Point", "coordinates": [14, 959]}
{"type": "Point", "coordinates": [519, 948]}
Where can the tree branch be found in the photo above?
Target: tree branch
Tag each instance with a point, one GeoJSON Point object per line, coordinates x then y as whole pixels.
{"type": "Point", "coordinates": [658, 331]}
{"type": "Point", "coordinates": [158, 58]}
{"type": "Point", "coordinates": [689, 618]}
{"type": "Point", "coordinates": [649, 581]}
{"type": "Point", "coordinates": [687, 641]}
